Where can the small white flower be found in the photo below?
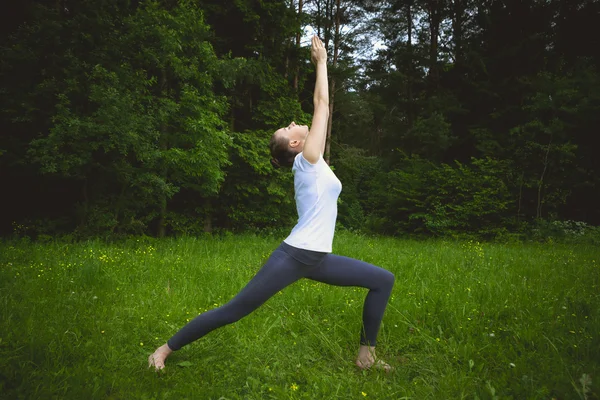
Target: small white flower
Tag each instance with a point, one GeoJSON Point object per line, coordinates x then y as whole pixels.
{"type": "Point", "coordinates": [512, 365]}
{"type": "Point", "coordinates": [492, 335]}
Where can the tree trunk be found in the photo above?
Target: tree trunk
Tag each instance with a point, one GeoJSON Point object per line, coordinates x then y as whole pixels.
{"type": "Point", "coordinates": [162, 218]}
{"type": "Point", "coordinates": [336, 46]}
{"type": "Point", "coordinates": [287, 62]}
{"type": "Point", "coordinates": [435, 14]}
{"type": "Point", "coordinates": [329, 124]}
{"type": "Point", "coordinates": [327, 24]}
{"type": "Point", "coordinates": [86, 204]}
{"type": "Point", "coordinates": [318, 19]}
{"type": "Point", "coordinates": [298, 38]}
{"type": "Point", "coordinates": [162, 212]}
{"type": "Point", "coordinates": [520, 197]}
{"type": "Point", "coordinates": [288, 47]}
{"type": "Point", "coordinates": [119, 206]}
{"type": "Point", "coordinates": [541, 182]}
{"type": "Point", "coordinates": [409, 85]}
{"type": "Point", "coordinates": [377, 142]}
{"type": "Point", "coordinates": [457, 30]}
{"type": "Point", "coordinates": [208, 215]}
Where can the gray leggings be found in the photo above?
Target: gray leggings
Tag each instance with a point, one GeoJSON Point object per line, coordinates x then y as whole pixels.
{"type": "Point", "coordinates": [285, 266]}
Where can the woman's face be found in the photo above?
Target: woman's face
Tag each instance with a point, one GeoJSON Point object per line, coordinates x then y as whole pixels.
{"type": "Point", "coordinates": [296, 135]}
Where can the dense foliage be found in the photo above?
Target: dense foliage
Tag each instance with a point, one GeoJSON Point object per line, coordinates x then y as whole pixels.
{"type": "Point", "coordinates": [448, 117]}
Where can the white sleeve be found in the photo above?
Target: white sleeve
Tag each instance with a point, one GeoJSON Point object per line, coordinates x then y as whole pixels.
{"type": "Point", "coordinates": [302, 164]}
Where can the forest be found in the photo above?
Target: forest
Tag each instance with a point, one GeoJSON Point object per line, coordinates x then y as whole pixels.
{"type": "Point", "coordinates": [447, 117]}
{"type": "Point", "coordinates": [139, 193]}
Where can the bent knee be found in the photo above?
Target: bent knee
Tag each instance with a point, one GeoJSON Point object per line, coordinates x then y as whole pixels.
{"type": "Point", "coordinates": [389, 279]}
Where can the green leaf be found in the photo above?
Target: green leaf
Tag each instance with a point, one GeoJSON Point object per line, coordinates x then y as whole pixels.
{"type": "Point", "coordinates": [184, 364]}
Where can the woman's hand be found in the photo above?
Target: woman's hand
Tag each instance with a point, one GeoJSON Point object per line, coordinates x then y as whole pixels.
{"type": "Point", "coordinates": [318, 54]}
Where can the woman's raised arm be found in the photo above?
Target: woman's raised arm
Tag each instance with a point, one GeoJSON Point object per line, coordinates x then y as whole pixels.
{"type": "Point", "coordinates": [314, 145]}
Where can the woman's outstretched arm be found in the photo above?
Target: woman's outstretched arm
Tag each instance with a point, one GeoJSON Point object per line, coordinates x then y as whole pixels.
{"type": "Point", "coordinates": [315, 141]}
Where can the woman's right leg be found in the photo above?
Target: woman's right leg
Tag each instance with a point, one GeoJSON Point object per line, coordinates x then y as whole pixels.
{"type": "Point", "coordinates": [279, 271]}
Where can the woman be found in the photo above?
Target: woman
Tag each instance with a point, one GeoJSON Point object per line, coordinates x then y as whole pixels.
{"type": "Point", "coordinates": [306, 252]}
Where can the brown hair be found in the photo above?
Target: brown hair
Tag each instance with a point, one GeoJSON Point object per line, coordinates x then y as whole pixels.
{"type": "Point", "coordinates": [282, 155]}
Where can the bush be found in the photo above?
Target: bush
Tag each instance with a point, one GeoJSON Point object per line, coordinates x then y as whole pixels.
{"type": "Point", "coordinates": [574, 232]}
{"type": "Point", "coordinates": [358, 173]}
{"type": "Point", "coordinates": [468, 198]}
{"type": "Point", "coordinates": [420, 197]}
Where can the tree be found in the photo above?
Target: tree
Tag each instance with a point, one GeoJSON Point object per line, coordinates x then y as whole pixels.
{"type": "Point", "coordinates": [132, 126]}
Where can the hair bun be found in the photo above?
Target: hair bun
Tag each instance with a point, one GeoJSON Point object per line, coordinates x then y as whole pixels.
{"type": "Point", "coordinates": [275, 163]}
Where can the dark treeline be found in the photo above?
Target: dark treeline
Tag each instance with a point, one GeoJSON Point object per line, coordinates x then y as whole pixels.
{"type": "Point", "coordinates": [153, 117]}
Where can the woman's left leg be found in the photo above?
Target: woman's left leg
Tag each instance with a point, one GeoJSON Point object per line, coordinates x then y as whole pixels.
{"type": "Point", "coordinates": [345, 271]}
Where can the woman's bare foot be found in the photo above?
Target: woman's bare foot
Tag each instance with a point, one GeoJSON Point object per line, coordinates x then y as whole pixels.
{"type": "Point", "coordinates": [367, 359]}
{"type": "Point", "coordinates": [159, 356]}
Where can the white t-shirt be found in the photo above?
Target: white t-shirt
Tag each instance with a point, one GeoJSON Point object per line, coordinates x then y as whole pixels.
{"type": "Point", "coordinates": [316, 192]}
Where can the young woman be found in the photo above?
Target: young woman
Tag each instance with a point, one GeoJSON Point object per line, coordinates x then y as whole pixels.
{"type": "Point", "coordinates": [306, 252]}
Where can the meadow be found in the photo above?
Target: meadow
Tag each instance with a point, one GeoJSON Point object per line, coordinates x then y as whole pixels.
{"type": "Point", "coordinates": [466, 320]}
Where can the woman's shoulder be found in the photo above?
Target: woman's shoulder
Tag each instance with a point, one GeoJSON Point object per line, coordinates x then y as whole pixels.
{"type": "Point", "coordinates": [303, 164]}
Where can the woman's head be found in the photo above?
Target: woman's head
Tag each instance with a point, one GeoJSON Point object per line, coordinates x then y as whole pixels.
{"type": "Point", "coordinates": [286, 143]}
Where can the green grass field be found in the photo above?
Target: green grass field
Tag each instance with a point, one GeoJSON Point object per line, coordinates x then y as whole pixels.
{"type": "Point", "coordinates": [466, 320]}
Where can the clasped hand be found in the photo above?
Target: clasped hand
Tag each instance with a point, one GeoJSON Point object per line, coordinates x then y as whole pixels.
{"type": "Point", "coordinates": [318, 54]}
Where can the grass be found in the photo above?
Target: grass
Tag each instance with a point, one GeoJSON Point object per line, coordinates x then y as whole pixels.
{"type": "Point", "coordinates": [466, 320]}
